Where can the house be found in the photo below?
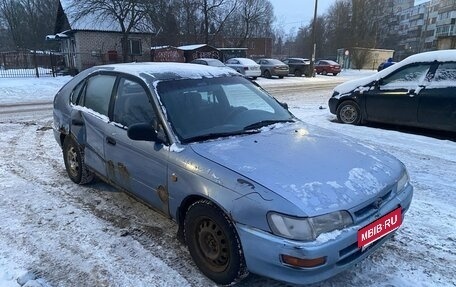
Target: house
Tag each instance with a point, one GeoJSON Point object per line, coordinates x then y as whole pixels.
{"type": "Point", "coordinates": [192, 52]}
{"type": "Point", "coordinates": [88, 40]}
{"type": "Point", "coordinates": [166, 54]}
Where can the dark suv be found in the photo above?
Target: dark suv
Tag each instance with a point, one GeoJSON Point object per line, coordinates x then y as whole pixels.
{"type": "Point", "coordinates": [298, 66]}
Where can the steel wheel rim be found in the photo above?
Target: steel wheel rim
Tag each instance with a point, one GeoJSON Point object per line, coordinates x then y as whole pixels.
{"type": "Point", "coordinates": [72, 160]}
{"type": "Point", "coordinates": [348, 114]}
{"type": "Point", "coordinates": [212, 244]}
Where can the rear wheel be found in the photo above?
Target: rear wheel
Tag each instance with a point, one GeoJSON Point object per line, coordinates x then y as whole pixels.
{"type": "Point", "coordinates": [348, 112]}
{"type": "Point", "coordinates": [281, 77]}
{"type": "Point", "coordinates": [324, 72]}
{"type": "Point", "coordinates": [298, 73]}
{"type": "Point", "coordinates": [335, 74]}
{"type": "Point", "coordinates": [267, 74]}
{"type": "Point", "coordinates": [213, 243]}
{"type": "Point", "coordinates": [73, 156]}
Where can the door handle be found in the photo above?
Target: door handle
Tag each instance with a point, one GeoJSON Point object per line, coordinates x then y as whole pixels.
{"type": "Point", "coordinates": [111, 141]}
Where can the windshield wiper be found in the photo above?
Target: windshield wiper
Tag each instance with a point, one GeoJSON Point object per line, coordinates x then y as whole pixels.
{"type": "Point", "coordinates": [210, 136]}
{"type": "Point", "coordinates": [264, 123]}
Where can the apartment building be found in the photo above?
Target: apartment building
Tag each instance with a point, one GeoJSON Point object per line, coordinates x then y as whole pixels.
{"type": "Point", "coordinates": [425, 27]}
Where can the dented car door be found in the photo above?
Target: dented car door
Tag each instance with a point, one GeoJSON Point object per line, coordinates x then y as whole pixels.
{"type": "Point", "coordinates": [140, 167]}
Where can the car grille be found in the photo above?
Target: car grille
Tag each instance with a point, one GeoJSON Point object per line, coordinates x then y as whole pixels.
{"type": "Point", "coordinates": [369, 209]}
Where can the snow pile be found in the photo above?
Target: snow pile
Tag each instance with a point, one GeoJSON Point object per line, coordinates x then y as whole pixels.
{"type": "Point", "coordinates": [23, 90]}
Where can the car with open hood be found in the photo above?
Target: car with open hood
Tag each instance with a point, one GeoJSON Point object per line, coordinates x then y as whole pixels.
{"type": "Point", "coordinates": [251, 187]}
{"type": "Point", "coordinates": [419, 91]}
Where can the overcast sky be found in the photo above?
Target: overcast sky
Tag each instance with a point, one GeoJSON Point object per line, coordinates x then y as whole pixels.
{"type": "Point", "coordinates": [296, 13]}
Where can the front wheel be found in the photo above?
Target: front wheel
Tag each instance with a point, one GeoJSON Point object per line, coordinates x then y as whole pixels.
{"type": "Point", "coordinates": [298, 73]}
{"type": "Point", "coordinates": [267, 74]}
{"type": "Point", "coordinates": [73, 156]}
{"type": "Point", "coordinates": [348, 112]}
{"type": "Point", "coordinates": [213, 243]}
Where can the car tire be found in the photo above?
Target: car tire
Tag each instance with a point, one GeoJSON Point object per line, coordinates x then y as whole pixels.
{"type": "Point", "coordinates": [335, 74]}
{"type": "Point", "coordinates": [267, 74]}
{"type": "Point", "coordinates": [298, 73]}
{"type": "Point", "coordinates": [348, 112]}
{"type": "Point", "coordinates": [254, 78]}
{"type": "Point", "coordinates": [213, 243]}
{"type": "Point", "coordinates": [73, 156]}
{"type": "Point", "coordinates": [324, 72]}
{"type": "Point", "coordinates": [281, 77]}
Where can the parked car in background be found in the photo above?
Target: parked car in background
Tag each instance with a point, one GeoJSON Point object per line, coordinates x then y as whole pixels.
{"type": "Point", "coordinates": [298, 66]}
{"type": "Point", "coordinates": [327, 67]}
{"type": "Point", "coordinates": [194, 142]}
{"type": "Point", "coordinates": [273, 67]}
{"type": "Point", "coordinates": [245, 66]}
{"type": "Point", "coordinates": [418, 91]}
{"type": "Point", "coordinates": [385, 64]}
{"type": "Point", "coordinates": [208, 62]}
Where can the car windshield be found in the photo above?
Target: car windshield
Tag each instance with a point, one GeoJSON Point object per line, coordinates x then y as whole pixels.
{"type": "Point", "coordinates": [208, 108]}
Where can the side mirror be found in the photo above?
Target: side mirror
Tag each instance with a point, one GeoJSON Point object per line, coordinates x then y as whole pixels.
{"type": "Point", "coordinates": [142, 132]}
{"type": "Point", "coordinates": [284, 105]}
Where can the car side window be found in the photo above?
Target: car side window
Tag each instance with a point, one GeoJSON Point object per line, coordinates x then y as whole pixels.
{"type": "Point", "coordinates": [75, 97]}
{"type": "Point", "coordinates": [445, 75]}
{"type": "Point", "coordinates": [98, 93]}
{"type": "Point", "coordinates": [404, 78]}
{"type": "Point", "coordinates": [132, 105]}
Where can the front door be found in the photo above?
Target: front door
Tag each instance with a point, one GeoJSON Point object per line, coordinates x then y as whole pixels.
{"type": "Point", "coordinates": [394, 99]}
{"type": "Point", "coordinates": [140, 167]}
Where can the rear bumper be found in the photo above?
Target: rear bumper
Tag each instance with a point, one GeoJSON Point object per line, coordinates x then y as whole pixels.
{"type": "Point", "coordinates": [280, 72]}
{"type": "Point", "coordinates": [252, 73]}
{"type": "Point", "coordinates": [263, 250]}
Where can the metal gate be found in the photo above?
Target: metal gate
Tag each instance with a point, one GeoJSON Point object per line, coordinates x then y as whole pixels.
{"type": "Point", "coordinates": [30, 64]}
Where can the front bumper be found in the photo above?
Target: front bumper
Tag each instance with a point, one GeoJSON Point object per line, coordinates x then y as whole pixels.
{"type": "Point", "coordinates": [263, 250]}
{"type": "Point", "coordinates": [332, 103]}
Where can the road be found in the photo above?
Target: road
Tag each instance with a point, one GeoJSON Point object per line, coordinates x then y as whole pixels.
{"type": "Point", "coordinates": [96, 236]}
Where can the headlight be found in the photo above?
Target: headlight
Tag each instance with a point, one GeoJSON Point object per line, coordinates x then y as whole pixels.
{"type": "Point", "coordinates": [403, 182]}
{"type": "Point", "coordinates": [308, 228]}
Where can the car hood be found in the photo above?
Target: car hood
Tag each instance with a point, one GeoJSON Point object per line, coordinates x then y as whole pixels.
{"type": "Point", "coordinates": [317, 170]}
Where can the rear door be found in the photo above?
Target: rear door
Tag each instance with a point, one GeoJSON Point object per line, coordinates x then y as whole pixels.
{"type": "Point", "coordinates": [437, 107]}
{"type": "Point", "coordinates": [394, 99]}
{"type": "Point", "coordinates": [92, 115]}
{"type": "Point", "coordinates": [137, 166]}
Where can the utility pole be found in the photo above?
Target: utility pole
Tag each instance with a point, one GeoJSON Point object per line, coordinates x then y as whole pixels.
{"type": "Point", "coordinates": [314, 36]}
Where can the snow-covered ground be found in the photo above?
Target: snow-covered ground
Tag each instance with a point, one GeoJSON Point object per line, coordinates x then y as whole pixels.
{"type": "Point", "coordinates": [70, 235]}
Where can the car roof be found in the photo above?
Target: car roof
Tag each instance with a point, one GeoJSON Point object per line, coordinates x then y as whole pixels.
{"type": "Point", "coordinates": [305, 59]}
{"type": "Point", "coordinates": [162, 71]}
{"type": "Point", "coordinates": [207, 59]}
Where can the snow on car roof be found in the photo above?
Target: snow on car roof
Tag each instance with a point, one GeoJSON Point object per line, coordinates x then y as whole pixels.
{"type": "Point", "coordinates": [426, 57]}
{"type": "Point", "coordinates": [168, 71]}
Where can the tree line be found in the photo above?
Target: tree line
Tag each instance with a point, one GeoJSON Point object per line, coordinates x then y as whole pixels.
{"type": "Point", "coordinates": [347, 23]}
{"type": "Point", "coordinates": [25, 23]}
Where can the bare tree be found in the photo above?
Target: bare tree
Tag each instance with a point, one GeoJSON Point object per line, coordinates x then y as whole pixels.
{"type": "Point", "coordinates": [215, 14]}
{"type": "Point", "coordinates": [28, 21]}
{"type": "Point", "coordinates": [128, 14]}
